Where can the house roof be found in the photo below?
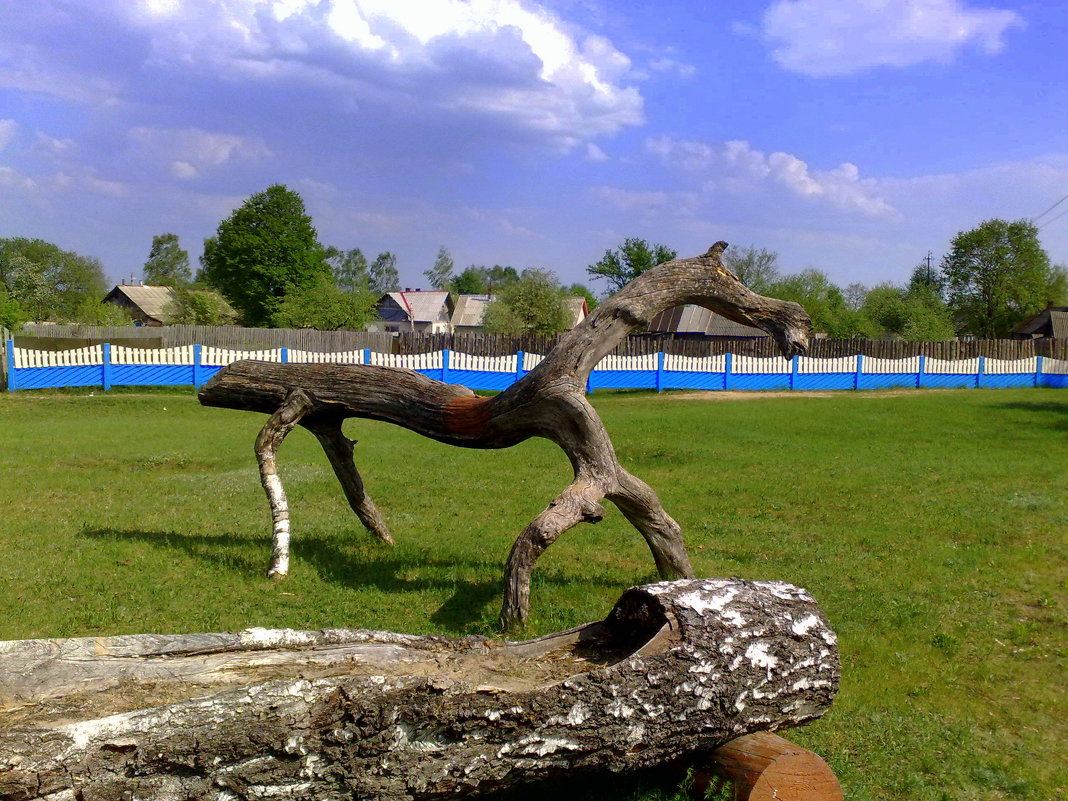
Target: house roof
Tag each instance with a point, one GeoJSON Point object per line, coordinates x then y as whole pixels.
{"type": "Point", "coordinates": [1056, 317]}
{"type": "Point", "coordinates": [151, 300]}
{"type": "Point", "coordinates": [470, 308]}
{"type": "Point", "coordinates": [699, 320]}
{"type": "Point", "coordinates": [418, 306]}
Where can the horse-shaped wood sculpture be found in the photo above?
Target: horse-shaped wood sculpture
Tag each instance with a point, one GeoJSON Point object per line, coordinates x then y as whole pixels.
{"type": "Point", "coordinates": [548, 402]}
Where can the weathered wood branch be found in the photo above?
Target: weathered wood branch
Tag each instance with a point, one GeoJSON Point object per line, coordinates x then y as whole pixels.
{"type": "Point", "coordinates": [676, 668]}
{"type": "Point", "coordinates": [548, 402]}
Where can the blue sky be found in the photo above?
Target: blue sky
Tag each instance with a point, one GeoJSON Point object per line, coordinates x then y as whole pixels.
{"type": "Point", "coordinates": [848, 135]}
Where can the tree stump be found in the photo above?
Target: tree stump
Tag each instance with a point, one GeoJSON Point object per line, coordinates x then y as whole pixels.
{"type": "Point", "coordinates": [548, 402]}
{"type": "Point", "coordinates": [676, 668]}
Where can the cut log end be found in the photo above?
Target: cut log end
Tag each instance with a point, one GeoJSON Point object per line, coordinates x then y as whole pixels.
{"type": "Point", "coordinates": [767, 767]}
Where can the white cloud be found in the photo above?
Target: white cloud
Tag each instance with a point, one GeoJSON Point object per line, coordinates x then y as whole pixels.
{"type": "Point", "coordinates": [738, 168]}
{"type": "Point", "coordinates": [831, 37]}
{"type": "Point", "coordinates": [189, 151]}
{"type": "Point", "coordinates": [8, 129]}
{"type": "Point", "coordinates": [595, 154]}
{"type": "Point", "coordinates": [671, 65]}
{"type": "Point", "coordinates": [512, 60]}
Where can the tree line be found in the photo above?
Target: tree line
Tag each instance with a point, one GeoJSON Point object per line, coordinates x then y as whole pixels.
{"type": "Point", "coordinates": [265, 266]}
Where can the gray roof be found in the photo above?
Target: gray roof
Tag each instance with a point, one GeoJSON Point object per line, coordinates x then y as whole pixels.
{"type": "Point", "coordinates": [699, 320]}
{"type": "Point", "coordinates": [1058, 323]}
{"type": "Point", "coordinates": [1052, 318]}
{"type": "Point", "coordinates": [422, 306]}
{"type": "Point", "coordinates": [151, 300]}
{"type": "Point", "coordinates": [470, 308]}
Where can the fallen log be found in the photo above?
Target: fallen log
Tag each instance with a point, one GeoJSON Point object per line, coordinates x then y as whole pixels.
{"type": "Point", "coordinates": [767, 767]}
{"type": "Point", "coordinates": [676, 668]}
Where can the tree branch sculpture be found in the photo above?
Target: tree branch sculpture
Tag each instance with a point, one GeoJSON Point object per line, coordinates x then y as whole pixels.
{"type": "Point", "coordinates": [548, 402]}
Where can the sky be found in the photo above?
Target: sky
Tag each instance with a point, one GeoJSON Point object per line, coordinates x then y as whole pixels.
{"type": "Point", "coordinates": [852, 136]}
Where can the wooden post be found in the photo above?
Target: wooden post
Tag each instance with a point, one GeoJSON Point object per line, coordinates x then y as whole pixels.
{"type": "Point", "coordinates": [981, 372]}
{"type": "Point", "coordinates": [1038, 368]}
{"type": "Point", "coordinates": [12, 379]}
{"type": "Point", "coordinates": [728, 359]}
{"type": "Point", "coordinates": [923, 369]}
{"type": "Point", "coordinates": [660, 371]}
{"type": "Point", "coordinates": [765, 766]}
{"type": "Point", "coordinates": [519, 359]}
{"type": "Point", "coordinates": [794, 364]}
{"type": "Point", "coordinates": [445, 366]}
{"type": "Point", "coordinates": [860, 369]}
{"type": "Point", "coordinates": [198, 377]}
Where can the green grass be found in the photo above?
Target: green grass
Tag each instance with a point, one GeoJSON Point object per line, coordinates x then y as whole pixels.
{"type": "Point", "coordinates": [931, 526]}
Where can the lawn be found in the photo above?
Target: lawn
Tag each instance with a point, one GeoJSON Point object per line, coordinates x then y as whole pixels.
{"type": "Point", "coordinates": [932, 526]}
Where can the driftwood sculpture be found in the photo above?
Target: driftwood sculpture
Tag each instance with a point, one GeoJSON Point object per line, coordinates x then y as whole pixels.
{"type": "Point", "coordinates": [548, 402]}
{"type": "Point", "coordinates": [677, 668]}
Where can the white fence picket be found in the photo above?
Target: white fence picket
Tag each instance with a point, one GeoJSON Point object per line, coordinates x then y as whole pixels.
{"type": "Point", "coordinates": [952, 366]}
{"type": "Point", "coordinates": [180, 355]}
{"type": "Point", "coordinates": [627, 363]}
{"type": "Point", "coordinates": [220, 357]}
{"type": "Point", "coordinates": [748, 365]}
{"type": "Point", "coordinates": [315, 357]}
{"type": "Point", "coordinates": [1055, 366]}
{"type": "Point", "coordinates": [410, 361]}
{"type": "Point", "coordinates": [841, 364]}
{"type": "Point", "coordinates": [531, 360]}
{"type": "Point", "coordinates": [1010, 366]}
{"type": "Point", "coordinates": [695, 364]}
{"type": "Point", "coordinates": [877, 366]}
{"type": "Point", "coordinates": [485, 364]}
{"type": "Point", "coordinates": [75, 357]}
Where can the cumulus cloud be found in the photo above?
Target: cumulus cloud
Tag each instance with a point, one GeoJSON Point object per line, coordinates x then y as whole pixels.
{"type": "Point", "coordinates": [502, 59]}
{"type": "Point", "coordinates": [189, 151]}
{"type": "Point", "coordinates": [595, 154]}
{"type": "Point", "coordinates": [8, 129]}
{"type": "Point", "coordinates": [736, 167]}
{"type": "Point", "coordinates": [829, 37]}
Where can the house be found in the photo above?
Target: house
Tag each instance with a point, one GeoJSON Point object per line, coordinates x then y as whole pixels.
{"type": "Point", "coordinates": [467, 318]}
{"type": "Point", "coordinates": [418, 311]}
{"type": "Point", "coordinates": [146, 304]}
{"type": "Point", "coordinates": [155, 305]}
{"type": "Point", "coordinates": [1050, 323]}
{"type": "Point", "coordinates": [700, 322]}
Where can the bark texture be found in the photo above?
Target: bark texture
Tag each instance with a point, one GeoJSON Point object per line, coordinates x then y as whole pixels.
{"type": "Point", "coordinates": [676, 668]}
{"type": "Point", "coordinates": [548, 402]}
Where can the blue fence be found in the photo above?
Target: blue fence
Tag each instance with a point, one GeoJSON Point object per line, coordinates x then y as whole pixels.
{"type": "Point", "coordinates": [107, 366]}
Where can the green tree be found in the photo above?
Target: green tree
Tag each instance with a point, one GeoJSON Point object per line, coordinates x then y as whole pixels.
{"type": "Point", "coordinates": [265, 250]}
{"type": "Point", "coordinates": [577, 290]}
{"type": "Point", "coordinates": [440, 275]}
{"type": "Point", "coordinates": [532, 305]}
{"type": "Point", "coordinates": [757, 268]}
{"type": "Point", "coordinates": [470, 281]}
{"type": "Point", "coordinates": [326, 307]}
{"type": "Point", "coordinates": [68, 276]}
{"type": "Point", "coordinates": [91, 311]}
{"type": "Point", "coordinates": [199, 307]}
{"type": "Point", "coordinates": [825, 304]}
{"type": "Point", "coordinates": [996, 275]}
{"type": "Point", "coordinates": [28, 286]}
{"type": "Point", "coordinates": [168, 263]}
{"type": "Point", "coordinates": [383, 275]}
{"type": "Point", "coordinates": [12, 315]}
{"type": "Point", "coordinates": [350, 269]}
{"type": "Point", "coordinates": [622, 265]}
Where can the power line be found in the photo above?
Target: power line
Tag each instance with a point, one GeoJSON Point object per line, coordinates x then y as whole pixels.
{"type": "Point", "coordinates": [1037, 217]}
{"type": "Point", "coordinates": [1052, 219]}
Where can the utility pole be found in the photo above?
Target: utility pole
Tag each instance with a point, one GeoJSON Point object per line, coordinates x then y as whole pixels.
{"type": "Point", "coordinates": [928, 260]}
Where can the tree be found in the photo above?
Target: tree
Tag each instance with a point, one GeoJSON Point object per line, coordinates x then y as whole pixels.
{"type": "Point", "coordinates": [471, 281]}
{"type": "Point", "coordinates": [200, 307]}
{"type": "Point", "coordinates": [824, 302]}
{"type": "Point", "coordinates": [383, 275]}
{"type": "Point", "coordinates": [634, 257]}
{"type": "Point", "coordinates": [350, 269]}
{"type": "Point", "coordinates": [265, 250]}
{"type": "Point", "coordinates": [168, 264]}
{"type": "Point", "coordinates": [532, 305]}
{"type": "Point", "coordinates": [757, 268]}
{"type": "Point", "coordinates": [68, 276]}
{"type": "Point", "coordinates": [326, 307]}
{"type": "Point", "coordinates": [996, 275]}
{"type": "Point", "coordinates": [440, 275]}
{"type": "Point", "coordinates": [12, 315]}
{"type": "Point", "coordinates": [855, 295]}
{"type": "Point", "coordinates": [577, 290]}
{"type": "Point", "coordinates": [28, 286]}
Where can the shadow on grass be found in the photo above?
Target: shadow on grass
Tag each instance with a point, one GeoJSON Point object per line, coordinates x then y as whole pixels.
{"type": "Point", "coordinates": [1048, 407]}
{"type": "Point", "coordinates": [384, 569]}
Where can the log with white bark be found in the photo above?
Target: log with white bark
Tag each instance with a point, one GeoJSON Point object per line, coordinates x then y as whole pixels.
{"type": "Point", "coordinates": [676, 668]}
{"type": "Point", "coordinates": [548, 402]}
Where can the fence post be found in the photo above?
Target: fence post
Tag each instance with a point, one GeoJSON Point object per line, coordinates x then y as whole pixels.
{"type": "Point", "coordinates": [660, 371]}
{"type": "Point", "coordinates": [285, 355]}
{"type": "Point", "coordinates": [923, 369]}
{"type": "Point", "coordinates": [794, 362]}
{"type": "Point", "coordinates": [105, 367]}
{"type": "Point", "coordinates": [860, 369]}
{"type": "Point", "coordinates": [979, 374]}
{"type": "Point", "coordinates": [445, 366]}
{"type": "Point", "coordinates": [520, 357]}
{"type": "Point", "coordinates": [197, 373]}
{"type": "Point", "coordinates": [728, 362]}
{"type": "Point", "coordinates": [1038, 369]}
{"type": "Point", "coordinates": [366, 355]}
{"type": "Point", "coordinates": [12, 380]}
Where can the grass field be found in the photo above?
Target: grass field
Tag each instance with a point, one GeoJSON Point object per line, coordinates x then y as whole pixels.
{"type": "Point", "coordinates": [932, 527]}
